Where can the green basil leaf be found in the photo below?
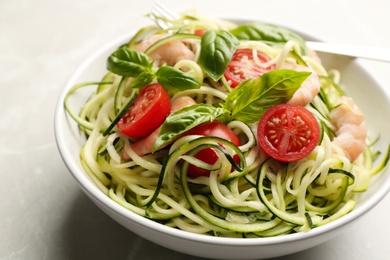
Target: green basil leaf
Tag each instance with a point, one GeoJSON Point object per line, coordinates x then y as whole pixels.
{"type": "Point", "coordinates": [217, 49]}
{"type": "Point", "coordinates": [175, 80]}
{"type": "Point", "coordinates": [185, 119]}
{"type": "Point", "coordinates": [270, 34]}
{"type": "Point", "coordinates": [143, 79]}
{"type": "Point", "coordinates": [249, 100]}
{"type": "Point", "coordinates": [128, 62]}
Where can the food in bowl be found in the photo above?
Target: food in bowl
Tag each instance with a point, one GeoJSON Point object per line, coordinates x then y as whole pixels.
{"type": "Point", "coordinates": [225, 130]}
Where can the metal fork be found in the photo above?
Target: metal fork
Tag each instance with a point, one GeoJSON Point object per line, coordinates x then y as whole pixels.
{"type": "Point", "coordinates": [163, 17]}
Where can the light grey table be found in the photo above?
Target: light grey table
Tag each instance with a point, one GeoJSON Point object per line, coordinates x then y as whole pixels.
{"type": "Point", "coordinates": [43, 212]}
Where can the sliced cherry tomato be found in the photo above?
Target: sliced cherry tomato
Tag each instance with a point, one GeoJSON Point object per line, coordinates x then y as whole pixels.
{"type": "Point", "coordinates": [208, 155]}
{"type": "Point", "coordinates": [243, 66]}
{"type": "Point", "coordinates": [288, 133]}
{"type": "Point", "coordinates": [147, 113]}
{"type": "Point", "coordinates": [200, 32]}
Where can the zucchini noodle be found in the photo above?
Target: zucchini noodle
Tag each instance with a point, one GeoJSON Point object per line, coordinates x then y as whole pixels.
{"type": "Point", "coordinates": [255, 197]}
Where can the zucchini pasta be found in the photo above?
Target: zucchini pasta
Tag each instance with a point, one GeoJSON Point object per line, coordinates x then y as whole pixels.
{"type": "Point", "coordinates": [225, 130]}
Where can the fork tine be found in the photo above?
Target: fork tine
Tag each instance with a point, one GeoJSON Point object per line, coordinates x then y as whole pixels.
{"type": "Point", "coordinates": [162, 15]}
{"type": "Point", "coordinates": [163, 11]}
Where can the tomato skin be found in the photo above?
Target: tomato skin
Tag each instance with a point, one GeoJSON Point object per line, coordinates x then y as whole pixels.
{"type": "Point", "coordinates": [200, 32]}
{"type": "Point", "coordinates": [208, 155]}
{"type": "Point", "coordinates": [288, 133]}
{"type": "Point", "coordinates": [242, 67]}
{"type": "Point", "coordinates": [147, 113]}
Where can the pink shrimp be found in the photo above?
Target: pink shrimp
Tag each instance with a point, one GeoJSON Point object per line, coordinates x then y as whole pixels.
{"type": "Point", "coordinates": [351, 128]}
{"type": "Point", "coordinates": [309, 88]}
{"type": "Point", "coordinates": [314, 55]}
{"type": "Point", "coordinates": [145, 145]}
{"type": "Point", "coordinates": [170, 52]}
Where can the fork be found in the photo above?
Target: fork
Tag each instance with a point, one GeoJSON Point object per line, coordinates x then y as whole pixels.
{"type": "Point", "coordinates": [161, 11]}
{"type": "Point", "coordinates": [166, 15]}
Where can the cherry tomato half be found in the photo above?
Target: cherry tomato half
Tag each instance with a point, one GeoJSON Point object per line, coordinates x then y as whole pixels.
{"type": "Point", "coordinates": [208, 155]}
{"type": "Point", "coordinates": [243, 66]}
{"type": "Point", "coordinates": [147, 113]}
{"type": "Point", "coordinates": [288, 133]}
{"type": "Point", "coordinates": [200, 32]}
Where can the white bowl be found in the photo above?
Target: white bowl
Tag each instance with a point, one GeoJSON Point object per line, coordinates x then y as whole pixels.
{"type": "Point", "coordinates": [367, 92]}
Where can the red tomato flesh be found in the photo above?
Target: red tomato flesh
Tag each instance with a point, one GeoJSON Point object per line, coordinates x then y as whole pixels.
{"type": "Point", "coordinates": [208, 155]}
{"type": "Point", "coordinates": [147, 113]}
{"type": "Point", "coordinates": [243, 66]}
{"type": "Point", "coordinates": [288, 133]}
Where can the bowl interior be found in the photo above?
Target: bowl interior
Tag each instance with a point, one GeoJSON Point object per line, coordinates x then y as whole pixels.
{"type": "Point", "coordinates": [360, 84]}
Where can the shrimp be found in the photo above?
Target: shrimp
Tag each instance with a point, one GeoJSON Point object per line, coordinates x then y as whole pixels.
{"type": "Point", "coordinates": [309, 88]}
{"type": "Point", "coordinates": [145, 145]}
{"type": "Point", "coordinates": [170, 52]}
{"type": "Point", "coordinates": [314, 55]}
{"type": "Point", "coordinates": [351, 128]}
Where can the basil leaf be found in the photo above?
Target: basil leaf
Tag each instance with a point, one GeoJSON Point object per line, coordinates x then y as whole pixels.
{"type": "Point", "coordinates": [143, 79]}
{"type": "Point", "coordinates": [217, 49]}
{"type": "Point", "coordinates": [184, 120]}
{"type": "Point", "coordinates": [128, 62]}
{"type": "Point", "coordinates": [175, 80]}
{"type": "Point", "coordinates": [270, 34]}
{"type": "Point", "coordinates": [249, 100]}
